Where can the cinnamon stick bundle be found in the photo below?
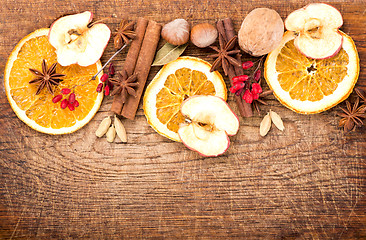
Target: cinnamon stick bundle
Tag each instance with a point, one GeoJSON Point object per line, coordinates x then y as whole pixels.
{"type": "Point", "coordinates": [230, 32]}
{"type": "Point", "coordinates": [226, 29]}
{"type": "Point", "coordinates": [131, 59]}
{"type": "Point", "coordinates": [143, 65]}
{"type": "Point", "coordinates": [138, 61]}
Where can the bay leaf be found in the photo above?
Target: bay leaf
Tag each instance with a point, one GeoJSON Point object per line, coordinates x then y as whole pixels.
{"type": "Point", "coordinates": [168, 53]}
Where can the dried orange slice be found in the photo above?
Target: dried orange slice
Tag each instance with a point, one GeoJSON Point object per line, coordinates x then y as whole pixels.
{"type": "Point", "coordinates": [38, 111]}
{"type": "Point", "coordinates": [307, 85]}
{"type": "Point", "coordinates": [175, 82]}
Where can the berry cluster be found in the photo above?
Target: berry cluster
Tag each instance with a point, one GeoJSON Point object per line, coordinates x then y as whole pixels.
{"type": "Point", "coordinates": [68, 99]}
{"type": "Point", "coordinates": [106, 84]}
{"type": "Point", "coordinates": [248, 85]}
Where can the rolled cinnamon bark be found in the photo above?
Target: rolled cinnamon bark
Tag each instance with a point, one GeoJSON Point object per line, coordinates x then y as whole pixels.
{"type": "Point", "coordinates": [230, 32]}
{"type": "Point", "coordinates": [143, 65]}
{"type": "Point", "coordinates": [231, 72]}
{"type": "Point", "coordinates": [131, 59]}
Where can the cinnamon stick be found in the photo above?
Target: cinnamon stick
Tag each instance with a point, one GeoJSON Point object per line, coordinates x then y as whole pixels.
{"type": "Point", "coordinates": [131, 59]}
{"type": "Point", "coordinates": [231, 70]}
{"type": "Point", "coordinates": [230, 32]}
{"type": "Point", "coordinates": [143, 65]}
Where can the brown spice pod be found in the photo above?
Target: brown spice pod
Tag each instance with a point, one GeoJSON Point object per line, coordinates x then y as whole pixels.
{"type": "Point", "coordinates": [143, 65]}
{"type": "Point", "coordinates": [131, 59]}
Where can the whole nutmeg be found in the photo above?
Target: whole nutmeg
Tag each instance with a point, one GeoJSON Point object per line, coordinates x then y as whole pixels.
{"type": "Point", "coordinates": [176, 32]}
{"type": "Point", "coordinates": [203, 35]}
{"type": "Point", "coordinates": [261, 31]}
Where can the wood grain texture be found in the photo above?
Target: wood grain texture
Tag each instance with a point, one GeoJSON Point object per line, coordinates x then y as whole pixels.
{"type": "Point", "coordinates": [307, 182]}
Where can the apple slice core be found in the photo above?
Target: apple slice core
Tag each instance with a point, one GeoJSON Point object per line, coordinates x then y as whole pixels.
{"type": "Point", "coordinates": [75, 42]}
{"type": "Point", "coordinates": [213, 144]}
{"type": "Point", "coordinates": [315, 47]}
{"type": "Point", "coordinates": [211, 110]}
{"type": "Point", "coordinates": [316, 26]}
{"type": "Point", "coordinates": [210, 122]}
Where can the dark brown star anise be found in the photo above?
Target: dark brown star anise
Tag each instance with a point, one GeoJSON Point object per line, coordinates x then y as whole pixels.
{"type": "Point", "coordinates": [222, 56]}
{"type": "Point", "coordinates": [362, 95]}
{"type": "Point", "coordinates": [124, 85]}
{"type": "Point", "coordinates": [124, 33]}
{"type": "Point", "coordinates": [46, 78]}
{"type": "Point", "coordinates": [352, 116]}
{"type": "Point", "coordinates": [260, 100]}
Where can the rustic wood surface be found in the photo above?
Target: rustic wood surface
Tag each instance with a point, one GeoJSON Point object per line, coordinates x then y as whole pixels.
{"type": "Point", "coordinates": [307, 182]}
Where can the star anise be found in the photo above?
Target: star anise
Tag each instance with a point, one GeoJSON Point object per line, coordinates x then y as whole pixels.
{"type": "Point", "coordinates": [352, 116]}
{"type": "Point", "coordinates": [222, 56]}
{"type": "Point", "coordinates": [260, 100]}
{"type": "Point", "coordinates": [46, 78]}
{"type": "Point", "coordinates": [124, 85]}
{"type": "Point", "coordinates": [362, 95]}
{"type": "Point", "coordinates": [124, 33]}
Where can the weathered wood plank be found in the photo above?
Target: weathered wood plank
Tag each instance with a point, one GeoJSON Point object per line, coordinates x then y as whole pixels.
{"type": "Point", "coordinates": [307, 182]}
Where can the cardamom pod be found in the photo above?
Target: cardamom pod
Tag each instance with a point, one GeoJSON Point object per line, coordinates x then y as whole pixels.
{"type": "Point", "coordinates": [265, 125]}
{"type": "Point", "coordinates": [276, 119]}
{"type": "Point", "coordinates": [111, 134]}
{"type": "Point", "coordinates": [103, 127]}
{"type": "Point", "coordinates": [120, 129]}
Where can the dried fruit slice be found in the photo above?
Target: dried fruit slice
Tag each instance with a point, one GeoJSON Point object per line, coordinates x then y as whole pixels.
{"type": "Point", "coordinates": [175, 82]}
{"type": "Point", "coordinates": [210, 121]}
{"type": "Point", "coordinates": [39, 111]}
{"type": "Point", "coordinates": [75, 42]}
{"type": "Point", "coordinates": [307, 85]}
{"type": "Point", "coordinates": [316, 26]}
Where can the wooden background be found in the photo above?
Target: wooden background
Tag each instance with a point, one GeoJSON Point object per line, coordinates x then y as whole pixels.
{"type": "Point", "coordinates": [307, 182]}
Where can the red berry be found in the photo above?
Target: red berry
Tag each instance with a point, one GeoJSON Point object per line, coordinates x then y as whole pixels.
{"type": "Point", "coordinates": [76, 103]}
{"type": "Point", "coordinates": [110, 85]}
{"type": "Point", "coordinates": [233, 89]}
{"type": "Point", "coordinates": [106, 90]}
{"type": "Point", "coordinates": [104, 77]}
{"type": "Point", "coordinates": [256, 88]}
{"type": "Point", "coordinates": [235, 79]}
{"type": "Point", "coordinates": [248, 96]}
{"type": "Point", "coordinates": [257, 75]}
{"type": "Point", "coordinates": [255, 95]}
{"type": "Point", "coordinates": [65, 91]}
{"type": "Point", "coordinates": [71, 107]}
{"type": "Point", "coordinates": [111, 69]}
{"type": "Point", "coordinates": [238, 93]}
{"type": "Point", "coordinates": [100, 87]}
{"type": "Point", "coordinates": [239, 85]}
{"type": "Point", "coordinates": [64, 103]}
{"type": "Point", "coordinates": [72, 98]}
{"type": "Point", "coordinates": [247, 64]}
{"type": "Point", "coordinates": [236, 87]}
{"type": "Point", "coordinates": [241, 78]}
{"type": "Point", "coordinates": [57, 98]}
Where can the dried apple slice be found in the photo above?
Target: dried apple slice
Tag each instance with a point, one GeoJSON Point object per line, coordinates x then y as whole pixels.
{"type": "Point", "coordinates": [316, 26]}
{"type": "Point", "coordinates": [210, 121]}
{"type": "Point", "coordinates": [75, 42]}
